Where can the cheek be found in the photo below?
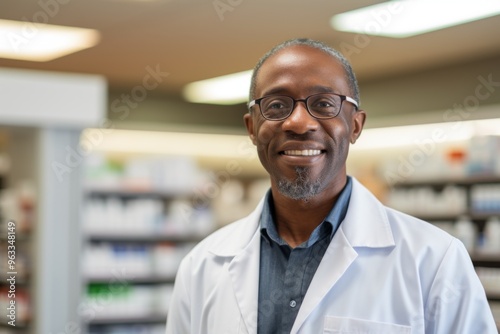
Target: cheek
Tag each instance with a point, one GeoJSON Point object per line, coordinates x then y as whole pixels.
{"type": "Point", "coordinates": [340, 132]}
{"type": "Point", "coordinates": [265, 132]}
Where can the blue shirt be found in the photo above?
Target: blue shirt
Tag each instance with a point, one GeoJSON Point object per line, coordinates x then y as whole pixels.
{"type": "Point", "coordinates": [285, 272]}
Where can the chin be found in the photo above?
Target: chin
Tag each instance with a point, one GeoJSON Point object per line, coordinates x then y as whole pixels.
{"type": "Point", "coordinates": [302, 187]}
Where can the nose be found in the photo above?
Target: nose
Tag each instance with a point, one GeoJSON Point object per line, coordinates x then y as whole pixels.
{"type": "Point", "coordinates": [300, 121]}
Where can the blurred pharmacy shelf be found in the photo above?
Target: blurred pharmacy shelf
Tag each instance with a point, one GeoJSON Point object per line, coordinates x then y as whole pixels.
{"type": "Point", "coordinates": [127, 304]}
{"type": "Point", "coordinates": [478, 198]}
{"type": "Point", "coordinates": [141, 216]}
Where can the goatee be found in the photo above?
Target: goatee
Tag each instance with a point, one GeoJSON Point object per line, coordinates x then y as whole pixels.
{"type": "Point", "coordinates": [302, 188]}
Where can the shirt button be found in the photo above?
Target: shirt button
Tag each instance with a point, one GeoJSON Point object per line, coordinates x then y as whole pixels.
{"type": "Point", "coordinates": [293, 303]}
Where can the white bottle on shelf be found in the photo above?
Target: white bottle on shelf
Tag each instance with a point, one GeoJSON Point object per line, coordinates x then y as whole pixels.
{"type": "Point", "coordinates": [466, 232]}
{"type": "Point", "coordinates": [492, 235]}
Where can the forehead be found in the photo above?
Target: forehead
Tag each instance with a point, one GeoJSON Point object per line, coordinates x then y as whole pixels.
{"type": "Point", "coordinates": [300, 69]}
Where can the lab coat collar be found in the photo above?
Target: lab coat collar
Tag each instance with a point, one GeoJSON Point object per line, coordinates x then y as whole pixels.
{"type": "Point", "coordinates": [240, 237]}
{"type": "Point", "coordinates": [366, 223]}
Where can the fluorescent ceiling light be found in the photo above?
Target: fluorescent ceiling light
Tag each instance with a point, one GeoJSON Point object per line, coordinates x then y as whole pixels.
{"type": "Point", "coordinates": [411, 135]}
{"type": "Point", "coordinates": [405, 18]}
{"type": "Point", "coordinates": [42, 42]}
{"type": "Point", "coordinates": [227, 89]}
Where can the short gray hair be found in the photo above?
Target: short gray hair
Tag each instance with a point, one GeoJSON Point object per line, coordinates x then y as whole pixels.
{"type": "Point", "coordinates": [351, 78]}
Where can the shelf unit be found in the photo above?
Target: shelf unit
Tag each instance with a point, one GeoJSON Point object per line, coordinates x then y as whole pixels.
{"type": "Point", "coordinates": [486, 260]}
{"type": "Point", "coordinates": [154, 253]}
{"type": "Point", "coordinates": [478, 217]}
{"type": "Point", "coordinates": [150, 319]}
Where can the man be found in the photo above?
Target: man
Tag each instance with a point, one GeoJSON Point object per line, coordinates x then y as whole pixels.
{"type": "Point", "coordinates": [320, 254]}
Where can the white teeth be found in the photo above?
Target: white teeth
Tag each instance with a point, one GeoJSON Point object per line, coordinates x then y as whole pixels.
{"type": "Point", "coordinates": [303, 152]}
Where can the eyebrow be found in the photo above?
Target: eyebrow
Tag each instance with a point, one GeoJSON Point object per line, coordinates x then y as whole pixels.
{"type": "Point", "coordinates": [311, 90]}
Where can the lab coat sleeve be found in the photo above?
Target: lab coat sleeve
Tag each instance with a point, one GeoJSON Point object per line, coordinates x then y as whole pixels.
{"type": "Point", "coordinates": [179, 312]}
{"type": "Point", "coordinates": [457, 302]}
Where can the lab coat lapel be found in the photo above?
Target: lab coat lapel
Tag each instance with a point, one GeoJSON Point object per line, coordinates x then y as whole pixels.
{"type": "Point", "coordinates": [337, 258]}
{"type": "Point", "coordinates": [244, 272]}
{"type": "Point", "coordinates": [365, 225]}
{"type": "Point", "coordinates": [243, 253]}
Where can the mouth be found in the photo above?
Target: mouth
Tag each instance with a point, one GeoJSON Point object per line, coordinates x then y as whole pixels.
{"type": "Point", "coordinates": [302, 153]}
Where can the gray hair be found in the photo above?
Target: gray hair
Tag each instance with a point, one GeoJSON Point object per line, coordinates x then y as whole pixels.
{"type": "Point", "coordinates": [351, 78]}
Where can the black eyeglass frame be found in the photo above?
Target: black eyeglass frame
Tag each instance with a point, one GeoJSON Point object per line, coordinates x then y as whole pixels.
{"type": "Point", "coordinates": [342, 99]}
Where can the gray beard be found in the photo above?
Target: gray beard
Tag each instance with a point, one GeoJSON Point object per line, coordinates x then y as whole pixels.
{"type": "Point", "coordinates": [301, 188]}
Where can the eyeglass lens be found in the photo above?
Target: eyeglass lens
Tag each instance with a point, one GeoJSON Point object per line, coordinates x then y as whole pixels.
{"type": "Point", "coordinates": [320, 106]}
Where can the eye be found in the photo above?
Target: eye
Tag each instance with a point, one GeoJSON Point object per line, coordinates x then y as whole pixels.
{"type": "Point", "coordinates": [324, 102]}
{"type": "Point", "coordinates": [276, 103]}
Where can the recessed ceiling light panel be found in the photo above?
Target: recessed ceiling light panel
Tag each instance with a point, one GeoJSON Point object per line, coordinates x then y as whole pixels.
{"type": "Point", "coordinates": [405, 18]}
{"type": "Point", "coordinates": [42, 42]}
{"type": "Point", "coordinates": [227, 89]}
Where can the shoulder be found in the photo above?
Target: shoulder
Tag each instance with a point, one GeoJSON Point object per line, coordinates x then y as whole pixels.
{"type": "Point", "coordinates": [434, 253]}
{"type": "Point", "coordinates": [407, 227]}
{"type": "Point", "coordinates": [404, 227]}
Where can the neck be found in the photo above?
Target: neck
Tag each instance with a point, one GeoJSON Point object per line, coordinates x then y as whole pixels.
{"type": "Point", "coordinates": [296, 219]}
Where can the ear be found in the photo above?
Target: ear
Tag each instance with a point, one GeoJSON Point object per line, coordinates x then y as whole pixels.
{"type": "Point", "coordinates": [249, 124]}
{"type": "Point", "coordinates": [358, 122]}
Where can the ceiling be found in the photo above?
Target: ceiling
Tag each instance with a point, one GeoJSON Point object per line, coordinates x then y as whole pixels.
{"type": "Point", "coordinates": [191, 40]}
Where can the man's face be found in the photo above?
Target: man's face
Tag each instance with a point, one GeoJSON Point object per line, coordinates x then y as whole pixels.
{"type": "Point", "coordinates": [304, 156]}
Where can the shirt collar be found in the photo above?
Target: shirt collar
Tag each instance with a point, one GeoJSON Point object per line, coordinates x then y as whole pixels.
{"type": "Point", "coordinates": [328, 227]}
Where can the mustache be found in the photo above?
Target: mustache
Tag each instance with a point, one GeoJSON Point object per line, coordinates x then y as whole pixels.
{"type": "Point", "coordinates": [299, 136]}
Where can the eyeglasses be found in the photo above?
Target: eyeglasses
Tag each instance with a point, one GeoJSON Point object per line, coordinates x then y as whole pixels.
{"type": "Point", "coordinates": [320, 106]}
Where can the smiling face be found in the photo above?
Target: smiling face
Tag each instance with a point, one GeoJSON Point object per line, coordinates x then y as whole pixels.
{"type": "Point", "coordinates": [305, 157]}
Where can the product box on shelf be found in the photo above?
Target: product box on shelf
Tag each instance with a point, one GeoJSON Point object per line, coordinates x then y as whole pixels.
{"type": "Point", "coordinates": [484, 155]}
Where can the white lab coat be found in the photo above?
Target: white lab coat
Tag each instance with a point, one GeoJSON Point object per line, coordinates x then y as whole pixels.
{"type": "Point", "coordinates": [384, 272]}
